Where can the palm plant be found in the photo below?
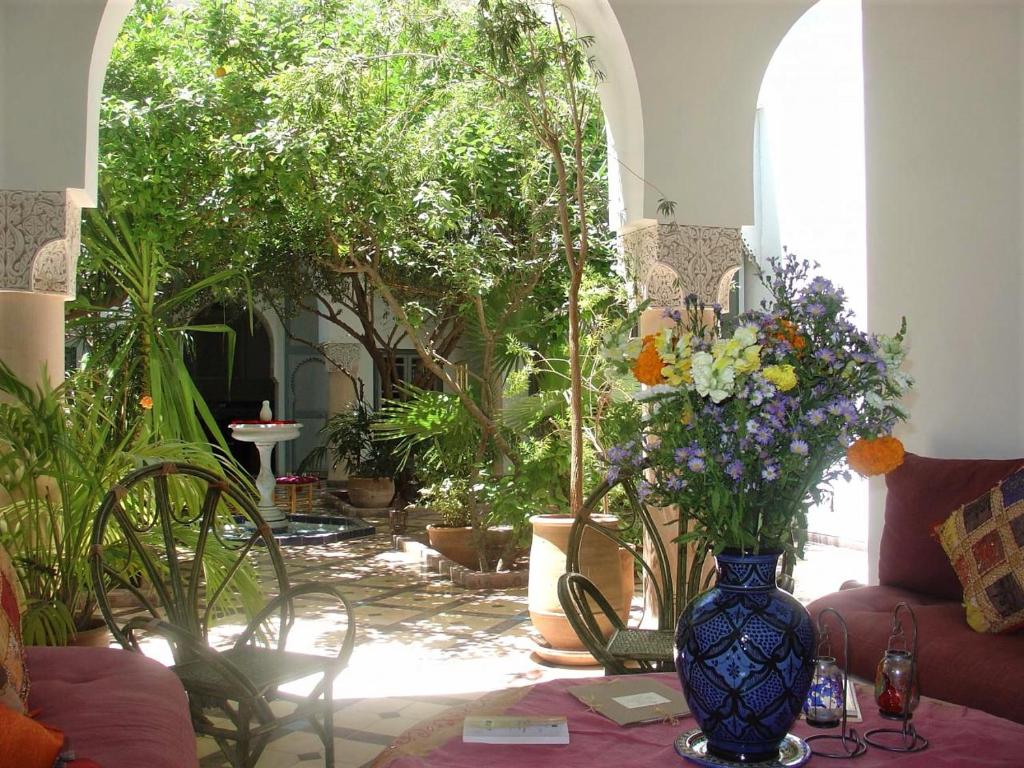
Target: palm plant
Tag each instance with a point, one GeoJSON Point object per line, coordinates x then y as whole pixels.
{"type": "Point", "coordinates": [140, 334]}
{"type": "Point", "coordinates": [132, 403]}
{"type": "Point", "coordinates": [64, 448]}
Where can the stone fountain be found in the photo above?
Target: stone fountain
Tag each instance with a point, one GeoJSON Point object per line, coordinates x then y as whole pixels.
{"type": "Point", "coordinates": [297, 529]}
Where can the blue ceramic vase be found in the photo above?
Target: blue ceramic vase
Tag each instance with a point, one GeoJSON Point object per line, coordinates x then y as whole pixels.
{"type": "Point", "coordinates": [745, 655]}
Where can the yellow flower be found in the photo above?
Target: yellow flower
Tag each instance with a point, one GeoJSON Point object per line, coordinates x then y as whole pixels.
{"type": "Point", "coordinates": [782, 376]}
{"type": "Point", "coordinates": [686, 416]}
{"type": "Point", "coordinates": [750, 360]}
{"type": "Point", "coordinates": [146, 402]}
{"type": "Point", "coordinates": [679, 373]}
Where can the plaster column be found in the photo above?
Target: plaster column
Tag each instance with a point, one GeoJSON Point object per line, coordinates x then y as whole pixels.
{"type": "Point", "coordinates": [666, 262]}
{"type": "Point", "coordinates": [341, 388]}
{"type": "Point", "coordinates": [39, 244]}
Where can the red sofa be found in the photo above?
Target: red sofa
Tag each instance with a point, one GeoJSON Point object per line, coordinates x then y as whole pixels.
{"type": "Point", "coordinates": [955, 663]}
{"type": "Point", "coordinates": [116, 708]}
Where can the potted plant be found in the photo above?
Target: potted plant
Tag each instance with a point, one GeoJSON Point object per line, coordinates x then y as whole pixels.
{"type": "Point", "coordinates": [455, 536]}
{"type": "Point", "coordinates": [61, 450]}
{"type": "Point", "coordinates": [744, 430]}
{"type": "Point", "coordinates": [371, 460]}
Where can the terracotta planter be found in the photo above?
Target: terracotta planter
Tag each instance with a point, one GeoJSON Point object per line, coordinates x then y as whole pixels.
{"type": "Point", "coordinates": [371, 492]}
{"type": "Point", "coordinates": [609, 566]}
{"type": "Point", "coordinates": [457, 544]}
{"type": "Point", "coordinates": [95, 636]}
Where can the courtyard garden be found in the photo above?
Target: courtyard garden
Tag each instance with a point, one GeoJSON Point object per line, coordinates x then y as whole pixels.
{"type": "Point", "coordinates": [373, 238]}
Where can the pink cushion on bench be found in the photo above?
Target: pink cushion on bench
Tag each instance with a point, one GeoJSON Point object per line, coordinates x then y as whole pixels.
{"type": "Point", "coordinates": [297, 480]}
{"type": "Point", "coordinates": [115, 707]}
{"type": "Point", "coordinates": [922, 493]}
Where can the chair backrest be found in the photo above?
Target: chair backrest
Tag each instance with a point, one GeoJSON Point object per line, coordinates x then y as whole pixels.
{"type": "Point", "coordinates": [178, 542]}
{"type": "Point", "coordinates": [671, 580]}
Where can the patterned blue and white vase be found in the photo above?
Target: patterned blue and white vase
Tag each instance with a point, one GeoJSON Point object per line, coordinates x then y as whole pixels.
{"type": "Point", "coordinates": [745, 655]}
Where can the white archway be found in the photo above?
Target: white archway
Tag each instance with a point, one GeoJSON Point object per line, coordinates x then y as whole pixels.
{"type": "Point", "coordinates": [623, 112]}
{"type": "Point", "coordinates": [809, 172]}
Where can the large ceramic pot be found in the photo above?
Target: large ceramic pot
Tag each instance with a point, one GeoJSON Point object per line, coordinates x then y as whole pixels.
{"type": "Point", "coordinates": [94, 635]}
{"type": "Point", "coordinates": [601, 560]}
{"type": "Point", "coordinates": [745, 655]}
{"type": "Point", "coordinates": [458, 546]}
{"type": "Point", "coordinates": [370, 492]}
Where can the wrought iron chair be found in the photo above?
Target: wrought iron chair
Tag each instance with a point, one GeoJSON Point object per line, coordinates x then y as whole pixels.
{"type": "Point", "coordinates": [178, 538]}
{"type": "Point", "coordinates": [671, 582]}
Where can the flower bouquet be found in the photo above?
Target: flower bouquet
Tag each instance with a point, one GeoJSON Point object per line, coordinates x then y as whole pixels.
{"type": "Point", "coordinates": [746, 428]}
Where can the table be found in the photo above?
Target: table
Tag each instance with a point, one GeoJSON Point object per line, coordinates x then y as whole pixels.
{"type": "Point", "coordinates": [959, 737]}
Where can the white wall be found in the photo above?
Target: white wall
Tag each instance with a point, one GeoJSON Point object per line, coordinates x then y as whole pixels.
{"type": "Point", "coordinates": [944, 174]}
{"type": "Point", "coordinates": [620, 99]}
{"type": "Point", "coordinates": [46, 48]}
{"type": "Point", "coordinates": [699, 65]}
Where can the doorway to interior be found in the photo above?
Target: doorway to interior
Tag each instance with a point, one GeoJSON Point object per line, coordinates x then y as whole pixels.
{"type": "Point", "coordinates": [252, 382]}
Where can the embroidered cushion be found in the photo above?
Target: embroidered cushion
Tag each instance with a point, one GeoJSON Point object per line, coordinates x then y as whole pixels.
{"type": "Point", "coordinates": [13, 676]}
{"type": "Point", "coordinates": [984, 540]}
{"type": "Point", "coordinates": [26, 743]}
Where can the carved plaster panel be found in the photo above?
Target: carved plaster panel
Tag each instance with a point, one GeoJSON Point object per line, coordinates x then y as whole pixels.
{"type": "Point", "coordinates": [343, 356]}
{"type": "Point", "coordinates": [40, 234]}
{"type": "Point", "coordinates": [669, 261]}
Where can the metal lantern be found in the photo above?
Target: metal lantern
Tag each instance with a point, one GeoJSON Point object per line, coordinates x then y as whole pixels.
{"type": "Point", "coordinates": [896, 689]}
{"type": "Point", "coordinates": [825, 706]}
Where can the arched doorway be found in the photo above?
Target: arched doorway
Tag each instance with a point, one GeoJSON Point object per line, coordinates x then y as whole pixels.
{"type": "Point", "coordinates": [811, 193]}
{"type": "Point", "coordinates": [252, 372]}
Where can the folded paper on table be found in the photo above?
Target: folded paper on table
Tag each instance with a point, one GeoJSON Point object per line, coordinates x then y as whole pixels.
{"type": "Point", "coordinates": [632, 701]}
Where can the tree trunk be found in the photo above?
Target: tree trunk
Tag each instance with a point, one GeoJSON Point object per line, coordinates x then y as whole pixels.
{"type": "Point", "coordinates": [575, 399]}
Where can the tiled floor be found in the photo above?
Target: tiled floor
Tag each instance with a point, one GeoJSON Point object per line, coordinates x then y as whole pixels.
{"type": "Point", "coordinates": [424, 644]}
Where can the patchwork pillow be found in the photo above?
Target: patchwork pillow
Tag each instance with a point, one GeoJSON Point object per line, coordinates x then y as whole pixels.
{"type": "Point", "coordinates": [922, 492]}
{"type": "Point", "coordinates": [984, 540]}
{"type": "Point", "coordinates": [13, 675]}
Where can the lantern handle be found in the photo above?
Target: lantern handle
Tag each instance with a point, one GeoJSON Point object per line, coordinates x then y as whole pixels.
{"type": "Point", "coordinates": [853, 744]}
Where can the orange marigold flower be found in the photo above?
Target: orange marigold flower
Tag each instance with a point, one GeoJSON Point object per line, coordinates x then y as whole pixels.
{"type": "Point", "coordinates": [648, 365]}
{"type": "Point", "coordinates": [875, 457]}
{"type": "Point", "coordinates": [146, 402]}
{"type": "Point", "coordinates": [788, 332]}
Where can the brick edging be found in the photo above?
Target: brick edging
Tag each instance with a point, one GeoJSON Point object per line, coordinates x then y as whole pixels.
{"type": "Point", "coordinates": [459, 574]}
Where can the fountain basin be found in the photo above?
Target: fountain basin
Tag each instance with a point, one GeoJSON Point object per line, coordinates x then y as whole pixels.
{"type": "Point", "coordinates": [308, 530]}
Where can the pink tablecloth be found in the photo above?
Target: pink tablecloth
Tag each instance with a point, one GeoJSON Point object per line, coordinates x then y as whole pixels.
{"type": "Point", "coordinates": [959, 737]}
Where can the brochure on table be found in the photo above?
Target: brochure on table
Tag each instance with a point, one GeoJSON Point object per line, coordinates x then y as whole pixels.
{"type": "Point", "coordinates": [628, 701]}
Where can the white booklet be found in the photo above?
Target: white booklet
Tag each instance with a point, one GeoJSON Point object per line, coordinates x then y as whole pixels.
{"type": "Point", "coordinates": [515, 729]}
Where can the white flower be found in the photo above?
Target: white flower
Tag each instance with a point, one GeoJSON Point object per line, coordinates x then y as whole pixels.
{"type": "Point", "coordinates": [712, 378]}
{"type": "Point", "coordinates": [746, 335]}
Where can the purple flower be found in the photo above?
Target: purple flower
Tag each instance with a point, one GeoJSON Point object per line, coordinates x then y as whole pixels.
{"type": "Point", "coordinates": [734, 469]}
{"type": "Point", "coordinates": [619, 453]}
{"type": "Point", "coordinates": [682, 454]}
{"type": "Point", "coordinates": [826, 356]}
{"type": "Point", "coordinates": [815, 417]}
{"type": "Point", "coordinates": [696, 464]}
{"type": "Point", "coordinates": [613, 474]}
{"type": "Point", "coordinates": [770, 471]}
{"type": "Point", "coordinates": [799, 447]}
{"type": "Point", "coordinates": [843, 407]}
{"type": "Point", "coordinates": [643, 489]}
{"type": "Point", "coordinates": [673, 314]}
{"type": "Point", "coordinates": [676, 483]}
{"type": "Point", "coordinates": [816, 309]}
